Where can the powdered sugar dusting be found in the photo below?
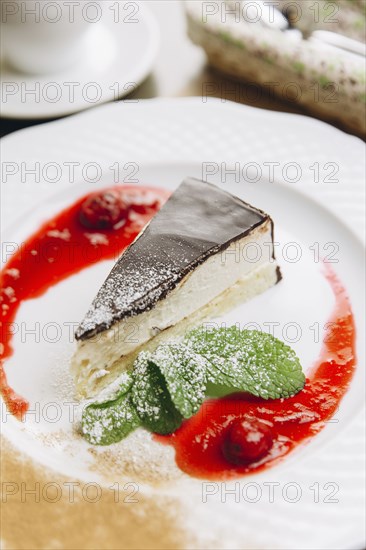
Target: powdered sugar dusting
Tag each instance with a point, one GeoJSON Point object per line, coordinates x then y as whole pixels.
{"type": "Point", "coordinates": [197, 221]}
{"type": "Point", "coordinates": [139, 457]}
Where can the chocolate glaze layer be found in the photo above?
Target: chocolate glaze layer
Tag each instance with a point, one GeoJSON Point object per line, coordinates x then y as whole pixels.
{"type": "Point", "coordinates": [198, 220]}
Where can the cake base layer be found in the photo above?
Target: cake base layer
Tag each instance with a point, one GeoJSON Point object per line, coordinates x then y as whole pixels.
{"type": "Point", "coordinates": [90, 381]}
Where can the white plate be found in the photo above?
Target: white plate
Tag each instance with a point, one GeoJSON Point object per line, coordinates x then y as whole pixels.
{"type": "Point", "coordinates": [160, 142]}
{"type": "Point", "coordinates": [119, 55]}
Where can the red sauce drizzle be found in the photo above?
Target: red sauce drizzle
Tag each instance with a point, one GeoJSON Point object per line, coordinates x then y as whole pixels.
{"type": "Point", "coordinates": [199, 441]}
{"type": "Point", "coordinates": [60, 248]}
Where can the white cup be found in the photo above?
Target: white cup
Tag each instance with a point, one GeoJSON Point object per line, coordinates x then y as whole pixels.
{"type": "Point", "coordinates": [41, 36]}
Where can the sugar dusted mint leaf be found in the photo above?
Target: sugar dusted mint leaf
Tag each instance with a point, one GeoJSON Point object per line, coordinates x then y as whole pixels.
{"type": "Point", "coordinates": [109, 422]}
{"type": "Point", "coordinates": [151, 397]}
{"type": "Point", "coordinates": [170, 384]}
{"type": "Point", "coordinates": [248, 360]}
{"type": "Point", "coordinates": [119, 387]}
{"type": "Point", "coordinates": [185, 376]}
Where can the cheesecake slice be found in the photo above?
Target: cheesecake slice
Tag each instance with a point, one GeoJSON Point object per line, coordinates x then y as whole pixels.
{"type": "Point", "coordinates": [203, 253]}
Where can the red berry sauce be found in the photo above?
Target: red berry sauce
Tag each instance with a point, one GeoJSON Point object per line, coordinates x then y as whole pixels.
{"type": "Point", "coordinates": [63, 246]}
{"type": "Point", "coordinates": [201, 441]}
{"type": "Point", "coordinates": [228, 437]}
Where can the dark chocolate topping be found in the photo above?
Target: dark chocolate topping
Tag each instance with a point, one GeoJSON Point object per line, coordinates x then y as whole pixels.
{"type": "Point", "coordinates": [197, 221]}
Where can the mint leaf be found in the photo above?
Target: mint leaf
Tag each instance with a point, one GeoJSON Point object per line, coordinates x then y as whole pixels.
{"type": "Point", "coordinates": [109, 422]}
{"type": "Point", "coordinates": [151, 397]}
{"type": "Point", "coordinates": [185, 376]}
{"type": "Point", "coordinates": [122, 385]}
{"type": "Point", "coordinates": [170, 384]}
{"type": "Point", "coordinates": [248, 360]}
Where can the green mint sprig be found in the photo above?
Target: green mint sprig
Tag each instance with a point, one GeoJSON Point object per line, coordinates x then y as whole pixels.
{"type": "Point", "coordinates": [171, 383]}
{"type": "Point", "coordinates": [151, 397]}
{"type": "Point", "coordinates": [109, 422]}
{"type": "Point", "coordinates": [185, 374]}
{"type": "Point", "coordinates": [250, 361]}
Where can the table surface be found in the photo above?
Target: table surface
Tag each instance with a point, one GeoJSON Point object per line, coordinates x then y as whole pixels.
{"type": "Point", "coordinates": [180, 70]}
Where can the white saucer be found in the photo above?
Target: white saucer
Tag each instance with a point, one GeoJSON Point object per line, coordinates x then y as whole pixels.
{"type": "Point", "coordinates": [118, 58]}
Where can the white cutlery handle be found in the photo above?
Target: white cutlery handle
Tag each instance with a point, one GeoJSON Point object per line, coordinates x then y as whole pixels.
{"type": "Point", "coordinates": [268, 14]}
{"type": "Point", "coordinates": [340, 41]}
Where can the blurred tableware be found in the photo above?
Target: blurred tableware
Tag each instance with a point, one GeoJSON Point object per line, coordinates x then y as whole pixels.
{"type": "Point", "coordinates": [348, 45]}
{"type": "Point", "coordinates": [119, 55]}
{"type": "Point", "coordinates": [257, 12]}
{"type": "Point", "coordinates": [42, 38]}
{"type": "Point", "coordinates": [320, 69]}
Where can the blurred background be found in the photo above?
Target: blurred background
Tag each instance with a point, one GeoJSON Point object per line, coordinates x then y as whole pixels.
{"type": "Point", "coordinates": [263, 54]}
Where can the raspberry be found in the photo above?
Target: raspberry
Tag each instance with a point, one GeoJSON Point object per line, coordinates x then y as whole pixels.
{"type": "Point", "coordinates": [247, 440]}
{"type": "Point", "coordinates": [103, 210]}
